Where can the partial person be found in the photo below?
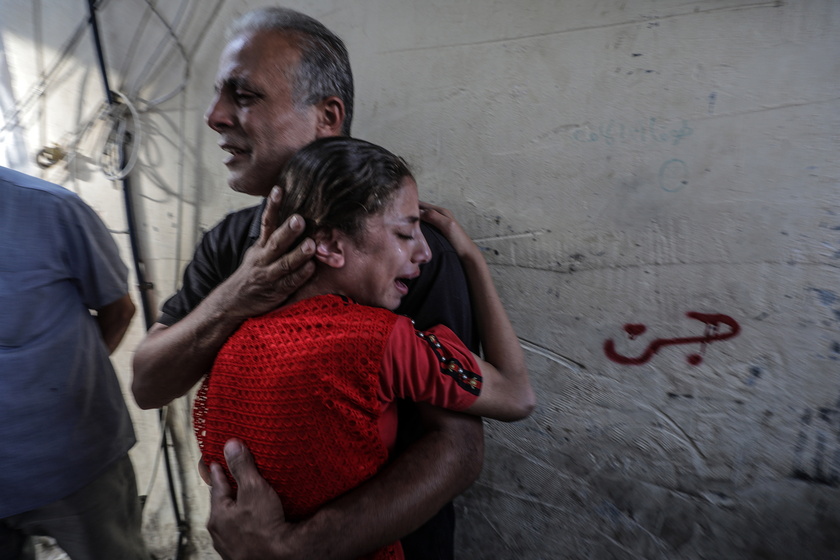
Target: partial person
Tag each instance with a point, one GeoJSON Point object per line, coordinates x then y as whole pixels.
{"type": "Point", "coordinates": [64, 426]}
{"type": "Point", "coordinates": [284, 80]}
{"type": "Point", "coordinates": [311, 388]}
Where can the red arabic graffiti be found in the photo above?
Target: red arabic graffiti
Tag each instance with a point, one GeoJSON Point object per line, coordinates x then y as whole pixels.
{"type": "Point", "coordinates": [712, 334]}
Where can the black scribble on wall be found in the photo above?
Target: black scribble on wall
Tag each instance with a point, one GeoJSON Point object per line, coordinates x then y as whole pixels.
{"type": "Point", "coordinates": [816, 455]}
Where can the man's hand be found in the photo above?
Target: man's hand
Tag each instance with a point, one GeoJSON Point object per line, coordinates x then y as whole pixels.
{"type": "Point", "coordinates": [170, 360]}
{"type": "Point", "coordinates": [268, 274]}
{"type": "Point", "coordinates": [251, 524]}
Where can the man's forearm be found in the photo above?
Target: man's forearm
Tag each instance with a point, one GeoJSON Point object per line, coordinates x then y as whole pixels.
{"type": "Point", "coordinates": [444, 462]}
{"type": "Point", "coordinates": [170, 360]}
{"type": "Point", "coordinates": [250, 525]}
{"type": "Point", "coordinates": [113, 320]}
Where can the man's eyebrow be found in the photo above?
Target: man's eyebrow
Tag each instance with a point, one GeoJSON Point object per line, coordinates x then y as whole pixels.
{"type": "Point", "coordinates": [235, 82]}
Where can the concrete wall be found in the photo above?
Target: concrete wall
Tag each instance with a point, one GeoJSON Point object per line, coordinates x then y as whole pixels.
{"type": "Point", "coordinates": [624, 163]}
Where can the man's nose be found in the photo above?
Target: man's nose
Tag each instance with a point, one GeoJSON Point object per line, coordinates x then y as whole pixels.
{"type": "Point", "coordinates": [218, 115]}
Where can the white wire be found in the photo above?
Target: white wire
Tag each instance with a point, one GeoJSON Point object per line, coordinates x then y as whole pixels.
{"type": "Point", "coordinates": [115, 140]}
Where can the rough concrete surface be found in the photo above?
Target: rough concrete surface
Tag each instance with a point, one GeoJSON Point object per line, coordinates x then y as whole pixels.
{"type": "Point", "coordinates": [655, 184]}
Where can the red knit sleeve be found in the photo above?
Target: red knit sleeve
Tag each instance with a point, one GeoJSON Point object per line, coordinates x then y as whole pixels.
{"type": "Point", "coordinates": [430, 366]}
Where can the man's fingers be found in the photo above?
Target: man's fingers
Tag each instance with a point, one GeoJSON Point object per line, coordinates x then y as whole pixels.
{"type": "Point", "coordinates": [268, 274]}
{"type": "Point", "coordinates": [268, 222]}
{"type": "Point", "coordinates": [294, 259]}
{"type": "Point", "coordinates": [275, 247]}
{"type": "Point", "coordinates": [220, 491]}
{"type": "Point", "coordinates": [289, 283]}
{"type": "Point", "coordinates": [282, 239]}
{"type": "Point", "coordinates": [204, 472]}
{"type": "Point", "coordinates": [241, 464]}
{"type": "Point", "coordinates": [291, 271]}
{"type": "Point", "coordinates": [239, 460]}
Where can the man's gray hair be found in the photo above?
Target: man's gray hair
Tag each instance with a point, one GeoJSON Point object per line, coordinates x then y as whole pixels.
{"type": "Point", "coordinates": [324, 68]}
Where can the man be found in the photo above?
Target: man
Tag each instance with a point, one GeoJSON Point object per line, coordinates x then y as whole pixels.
{"type": "Point", "coordinates": [283, 81]}
{"type": "Point", "coordinates": [64, 426]}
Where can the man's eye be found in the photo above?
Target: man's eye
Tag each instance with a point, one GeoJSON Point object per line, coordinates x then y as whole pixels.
{"type": "Point", "coordinates": [404, 236]}
{"type": "Point", "coordinates": [245, 97]}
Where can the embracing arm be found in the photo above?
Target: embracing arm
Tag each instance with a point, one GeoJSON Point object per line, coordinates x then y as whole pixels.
{"type": "Point", "coordinates": [170, 360]}
{"type": "Point", "coordinates": [434, 469]}
{"type": "Point", "coordinates": [444, 462]}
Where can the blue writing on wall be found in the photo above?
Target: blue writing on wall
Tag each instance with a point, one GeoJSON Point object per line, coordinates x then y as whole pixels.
{"type": "Point", "coordinates": [614, 132]}
{"type": "Point", "coordinates": [673, 175]}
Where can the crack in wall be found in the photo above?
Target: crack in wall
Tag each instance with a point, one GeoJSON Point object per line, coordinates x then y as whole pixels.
{"type": "Point", "coordinates": [526, 234]}
{"type": "Point", "coordinates": [642, 19]}
{"type": "Point", "coordinates": [542, 268]}
{"type": "Point", "coordinates": [569, 363]}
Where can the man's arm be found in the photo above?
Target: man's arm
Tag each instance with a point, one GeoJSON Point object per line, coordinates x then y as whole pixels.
{"type": "Point", "coordinates": [113, 320]}
{"type": "Point", "coordinates": [170, 360]}
{"type": "Point", "coordinates": [439, 466]}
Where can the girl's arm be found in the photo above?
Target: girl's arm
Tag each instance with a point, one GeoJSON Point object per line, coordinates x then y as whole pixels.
{"type": "Point", "coordinates": [506, 392]}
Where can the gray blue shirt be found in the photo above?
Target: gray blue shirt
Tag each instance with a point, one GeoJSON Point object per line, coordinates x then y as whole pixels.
{"type": "Point", "coordinates": [63, 419]}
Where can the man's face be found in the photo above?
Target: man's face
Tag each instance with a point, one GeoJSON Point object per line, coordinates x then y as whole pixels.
{"type": "Point", "coordinates": [254, 111]}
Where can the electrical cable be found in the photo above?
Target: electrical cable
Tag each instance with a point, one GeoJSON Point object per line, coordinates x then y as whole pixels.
{"type": "Point", "coordinates": [118, 137]}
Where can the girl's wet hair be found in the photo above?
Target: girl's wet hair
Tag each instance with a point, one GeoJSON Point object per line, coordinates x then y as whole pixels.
{"type": "Point", "coordinates": [337, 182]}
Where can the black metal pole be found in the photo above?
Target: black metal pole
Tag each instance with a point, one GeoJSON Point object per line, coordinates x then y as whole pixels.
{"type": "Point", "coordinates": [94, 26]}
{"type": "Point", "coordinates": [143, 285]}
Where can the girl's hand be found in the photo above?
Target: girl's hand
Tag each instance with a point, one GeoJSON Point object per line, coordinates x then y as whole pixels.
{"type": "Point", "coordinates": [443, 219]}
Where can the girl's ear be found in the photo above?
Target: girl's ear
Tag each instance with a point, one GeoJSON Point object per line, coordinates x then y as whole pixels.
{"type": "Point", "coordinates": [330, 247]}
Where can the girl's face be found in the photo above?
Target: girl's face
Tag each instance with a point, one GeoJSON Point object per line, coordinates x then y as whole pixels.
{"type": "Point", "coordinates": [381, 259]}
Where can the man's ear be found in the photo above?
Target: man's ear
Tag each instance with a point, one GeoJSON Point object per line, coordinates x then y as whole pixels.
{"type": "Point", "coordinates": [330, 117]}
{"type": "Point", "coordinates": [329, 247]}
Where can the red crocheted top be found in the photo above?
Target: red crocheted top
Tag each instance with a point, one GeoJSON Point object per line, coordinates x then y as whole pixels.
{"type": "Point", "coordinates": [306, 388]}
